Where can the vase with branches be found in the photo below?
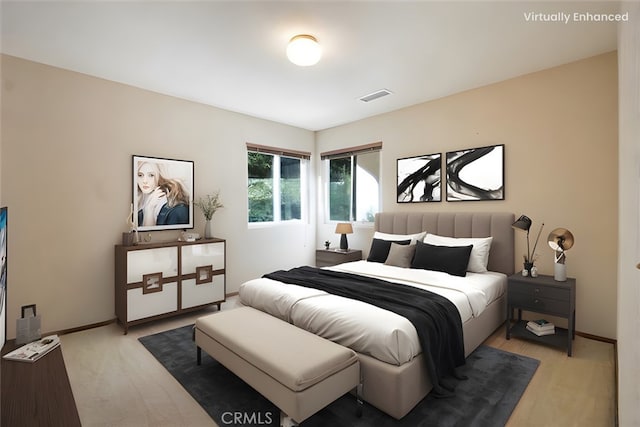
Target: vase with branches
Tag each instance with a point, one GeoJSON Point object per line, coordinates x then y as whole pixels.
{"type": "Point", "coordinates": [209, 204]}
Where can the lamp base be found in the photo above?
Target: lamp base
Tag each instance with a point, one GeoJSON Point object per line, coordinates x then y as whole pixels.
{"type": "Point", "coordinates": [560, 272]}
{"type": "Point", "coordinates": [344, 245]}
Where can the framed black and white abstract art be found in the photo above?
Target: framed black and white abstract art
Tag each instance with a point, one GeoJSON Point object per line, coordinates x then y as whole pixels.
{"type": "Point", "coordinates": [419, 179]}
{"type": "Point", "coordinates": [476, 174]}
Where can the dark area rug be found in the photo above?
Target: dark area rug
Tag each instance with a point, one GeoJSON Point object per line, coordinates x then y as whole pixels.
{"type": "Point", "coordinates": [496, 381]}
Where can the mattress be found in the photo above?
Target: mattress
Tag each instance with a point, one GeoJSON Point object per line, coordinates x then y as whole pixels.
{"type": "Point", "coordinates": [362, 327]}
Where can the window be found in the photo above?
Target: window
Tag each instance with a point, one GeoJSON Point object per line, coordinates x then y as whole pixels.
{"type": "Point", "coordinates": [290, 191]}
{"type": "Point", "coordinates": [353, 183]}
{"type": "Point", "coordinates": [276, 183]}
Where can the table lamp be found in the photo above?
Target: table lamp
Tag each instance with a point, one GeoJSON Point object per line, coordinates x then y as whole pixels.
{"type": "Point", "coordinates": [344, 228]}
{"type": "Point", "coordinates": [560, 241]}
{"type": "Point", "coordinates": [524, 223]}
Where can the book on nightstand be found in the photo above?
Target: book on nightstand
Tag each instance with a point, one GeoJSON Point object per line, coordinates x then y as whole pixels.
{"type": "Point", "coordinates": [541, 327]}
{"type": "Point", "coordinates": [541, 333]}
{"type": "Point", "coordinates": [34, 350]}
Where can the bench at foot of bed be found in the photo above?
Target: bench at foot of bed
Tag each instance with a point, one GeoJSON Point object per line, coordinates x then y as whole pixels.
{"type": "Point", "coordinates": [297, 371]}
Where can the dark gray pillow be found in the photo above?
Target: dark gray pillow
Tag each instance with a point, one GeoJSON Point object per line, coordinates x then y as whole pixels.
{"type": "Point", "coordinates": [400, 255]}
{"type": "Point", "coordinates": [449, 259]}
{"type": "Point", "coordinates": [380, 249]}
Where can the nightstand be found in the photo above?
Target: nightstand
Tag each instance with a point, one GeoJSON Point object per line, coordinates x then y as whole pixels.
{"type": "Point", "coordinates": [327, 257]}
{"type": "Point", "coordinates": [543, 295]}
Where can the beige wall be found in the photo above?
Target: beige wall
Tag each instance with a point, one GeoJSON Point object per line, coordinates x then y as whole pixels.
{"type": "Point", "coordinates": [67, 142]}
{"type": "Point", "coordinates": [559, 127]}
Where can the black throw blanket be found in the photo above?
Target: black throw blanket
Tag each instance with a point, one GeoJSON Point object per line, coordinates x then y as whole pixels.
{"type": "Point", "coordinates": [435, 318]}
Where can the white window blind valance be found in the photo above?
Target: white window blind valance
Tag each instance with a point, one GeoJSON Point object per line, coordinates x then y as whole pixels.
{"type": "Point", "coordinates": [278, 151]}
{"type": "Point", "coordinates": [351, 151]}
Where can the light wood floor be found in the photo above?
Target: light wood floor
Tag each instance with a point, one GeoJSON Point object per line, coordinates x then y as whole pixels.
{"type": "Point", "coordinates": [116, 382]}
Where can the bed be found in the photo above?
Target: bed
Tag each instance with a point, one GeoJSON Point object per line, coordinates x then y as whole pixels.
{"type": "Point", "coordinates": [392, 362]}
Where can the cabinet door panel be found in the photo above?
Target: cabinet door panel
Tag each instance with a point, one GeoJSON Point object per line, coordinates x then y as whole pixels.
{"type": "Point", "coordinates": [141, 305]}
{"type": "Point", "coordinates": [194, 256]}
{"type": "Point", "coordinates": [146, 261]}
{"type": "Point", "coordinates": [205, 293]}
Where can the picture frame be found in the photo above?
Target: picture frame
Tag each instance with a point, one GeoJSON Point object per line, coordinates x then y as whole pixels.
{"type": "Point", "coordinates": [28, 311]}
{"type": "Point", "coordinates": [3, 275]}
{"type": "Point", "coordinates": [162, 196]}
{"type": "Point", "coordinates": [475, 174]}
{"type": "Point", "coordinates": [419, 179]}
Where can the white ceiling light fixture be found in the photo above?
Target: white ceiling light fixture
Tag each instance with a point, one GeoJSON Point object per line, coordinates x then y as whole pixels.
{"type": "Point", "coordinates": [304, 50]}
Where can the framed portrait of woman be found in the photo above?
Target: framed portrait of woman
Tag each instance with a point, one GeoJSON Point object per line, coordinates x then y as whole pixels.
{"type": "Point", "coordinates": [162, 193]}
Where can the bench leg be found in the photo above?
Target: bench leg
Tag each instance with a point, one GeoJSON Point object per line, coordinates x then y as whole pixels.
{"type": "Point", "coordinates": [198, 356]}
{"type": "Point", "coordinates": [359, 403]}
{"type": "Point", "coordinates": [287, 421]}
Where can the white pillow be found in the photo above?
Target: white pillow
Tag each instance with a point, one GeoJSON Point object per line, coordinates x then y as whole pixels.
{"type": "Point", "coordinates": [479, 257]}
{"type": "Point", "coordinates": [396, 237]}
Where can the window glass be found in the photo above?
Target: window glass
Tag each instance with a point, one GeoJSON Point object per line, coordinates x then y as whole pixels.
{"type": "Point", "coordinates": [260, 190]}
{"type": "Point", "coordinates": [367, 186]}
{"type": "Point", "coordinates": [340, 189]}
{"type": "Point", "coordinates": [353, 187]}
{"type": "Point", "coordinates": [275, 187]}
{"type": "Point", "coordinates": [290, 189]}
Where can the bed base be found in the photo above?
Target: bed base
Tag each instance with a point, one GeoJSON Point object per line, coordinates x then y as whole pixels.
{"type": "Point", "coordinates": [410, 382]}
{"type": "Point", "coordinates": [396, 390]}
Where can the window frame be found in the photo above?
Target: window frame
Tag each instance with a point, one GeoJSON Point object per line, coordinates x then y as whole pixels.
{"type": "Point", "coordinates": [351, 153]}
{"type": "Point", "coordinates": [278, 153]}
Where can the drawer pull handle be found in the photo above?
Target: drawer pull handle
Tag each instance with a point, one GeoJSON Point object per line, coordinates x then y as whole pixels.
{"type": "Point", "coordinates": [535, 301]}
{"type": "Point", "coordinates": [537, 290]}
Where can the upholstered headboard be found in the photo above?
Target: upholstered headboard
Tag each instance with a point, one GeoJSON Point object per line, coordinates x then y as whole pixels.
{"type": "Point", "coordinates": [458, 224]}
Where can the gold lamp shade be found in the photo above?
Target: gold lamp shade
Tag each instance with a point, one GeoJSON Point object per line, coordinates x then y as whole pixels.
{"type": "Point", "coordinates": [560, 239]}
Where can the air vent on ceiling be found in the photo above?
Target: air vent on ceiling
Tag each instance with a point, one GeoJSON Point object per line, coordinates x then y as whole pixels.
{"type": "Point", "coordinates": [375, 95]}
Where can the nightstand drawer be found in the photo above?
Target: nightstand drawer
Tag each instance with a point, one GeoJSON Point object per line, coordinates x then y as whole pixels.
{"type": "Point", "coordinates": [533, 303]}
{"type": "Point", "coordinates": [540, 291]}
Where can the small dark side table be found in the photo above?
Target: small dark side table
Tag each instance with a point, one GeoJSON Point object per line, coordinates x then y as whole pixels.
{"type": "Point", "coordinates": [542, 295]}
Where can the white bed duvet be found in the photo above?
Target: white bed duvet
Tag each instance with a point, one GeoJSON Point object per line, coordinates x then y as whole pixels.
{"type": "Point", "coordinates": [365, 328]}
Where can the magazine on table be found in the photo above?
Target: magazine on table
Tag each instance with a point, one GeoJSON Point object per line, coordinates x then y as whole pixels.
{"type": "Point", "coordinates": [34, 350]}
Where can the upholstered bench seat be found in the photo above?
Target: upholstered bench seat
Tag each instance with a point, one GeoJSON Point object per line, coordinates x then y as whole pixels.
{"type": "Point", "coordinates": [297, 371]}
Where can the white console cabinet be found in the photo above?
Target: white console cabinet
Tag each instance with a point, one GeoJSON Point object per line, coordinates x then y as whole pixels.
{"type": "Point", "coordinates": [158, 280]}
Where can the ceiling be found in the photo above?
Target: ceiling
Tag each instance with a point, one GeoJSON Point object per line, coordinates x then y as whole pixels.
{"type": "Point", "coordinates": [231, 54]}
